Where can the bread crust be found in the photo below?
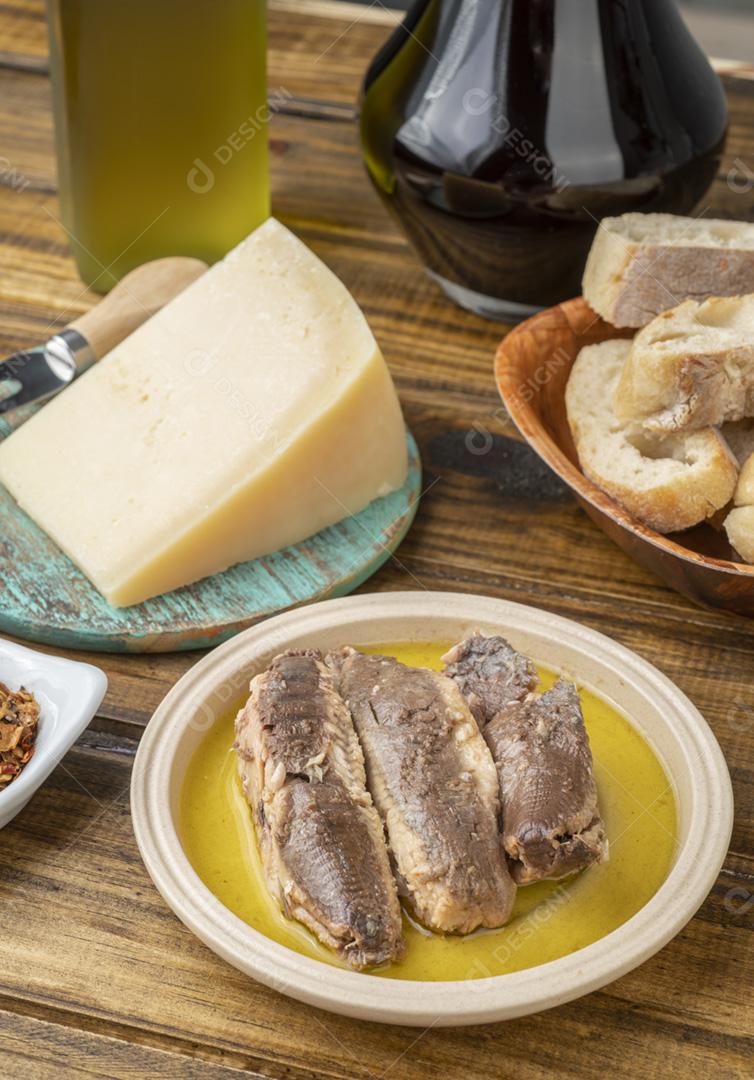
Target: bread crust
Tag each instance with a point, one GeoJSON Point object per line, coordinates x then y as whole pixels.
{"type": "Point", "coordinates": [739, 435]}
{"type": "Point", "coordinates": [745, 487]}
{"type": "Point", "coordinates": [739, 526]}
{"type": "Point", "coordinates": [628, 282]}
{"type": "Point", "coordinates": [692, 367]}
{"type": "Point", "coordinates": [669, 483]}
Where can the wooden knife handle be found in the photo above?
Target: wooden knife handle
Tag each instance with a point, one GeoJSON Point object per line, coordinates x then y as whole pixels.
{"type": "Point", "coordinates": [138, 296]}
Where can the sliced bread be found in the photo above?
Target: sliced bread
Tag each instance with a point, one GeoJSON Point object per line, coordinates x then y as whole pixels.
{"type": "Point", "coordinates": [739, 435]}
{"type": "Point", "coordinates": [739, 524]}
{"type": "Point", "coordinates": [669, 482]}
{"type": "Point", "coordinates": [643, 264]}
{"type": "Point", "coordinates": [691, 367]}
{"type": "Point", "coordinates": [744, 495]}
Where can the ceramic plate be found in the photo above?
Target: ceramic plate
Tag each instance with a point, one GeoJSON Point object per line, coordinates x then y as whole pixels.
{"type": "Point", "coordinates": [665, 717]}
{"type": "Point", "coordinates": [69, 695]}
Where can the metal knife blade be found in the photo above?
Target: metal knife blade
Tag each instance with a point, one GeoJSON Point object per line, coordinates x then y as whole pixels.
{"type": "Point", "coordinates": [36, 374]}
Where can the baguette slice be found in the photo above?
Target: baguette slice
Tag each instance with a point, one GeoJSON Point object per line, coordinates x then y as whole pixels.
{"type": "Point", "coordinates": [670, 483]}
{"type": "Point", "coordinates": [643, 264]}
{"type": "Point", "coordinates": [692, 367]}
{"type": "Point", "coordinates": [739, 524]}
{"type": "Point", "coordinates": [744, 495]}
{"type": "Point", "coordinates": [739, 435]}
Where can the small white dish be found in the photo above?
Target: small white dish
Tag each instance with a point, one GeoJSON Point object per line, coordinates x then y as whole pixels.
{"type": "Point", "coordinates": [69, 694]}
{"type": "Point", "coordinates": [655, 706]}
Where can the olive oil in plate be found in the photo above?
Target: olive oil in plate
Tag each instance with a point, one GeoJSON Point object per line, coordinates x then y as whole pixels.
{"type": "Point", "coordinates": [551, 919]}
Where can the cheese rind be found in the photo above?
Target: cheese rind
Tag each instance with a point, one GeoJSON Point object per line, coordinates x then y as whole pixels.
{"type": "Point", "coordinates": [251, 412]}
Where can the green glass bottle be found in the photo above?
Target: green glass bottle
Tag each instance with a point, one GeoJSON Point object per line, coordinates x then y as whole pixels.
{"type": "Point", "coordinates": [161, 128]}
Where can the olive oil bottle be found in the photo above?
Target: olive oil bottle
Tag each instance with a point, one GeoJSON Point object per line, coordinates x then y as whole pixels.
{"type": "Point", "coordinates": [161, 128]}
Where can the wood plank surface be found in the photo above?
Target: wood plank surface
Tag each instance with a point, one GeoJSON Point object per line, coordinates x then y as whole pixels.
{"type": "Point", "coordinates": [97, 977]}
{"type": "Point", "coordinates": [315, 49]}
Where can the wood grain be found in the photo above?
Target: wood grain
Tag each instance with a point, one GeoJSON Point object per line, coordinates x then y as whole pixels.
{"type": "Point", "coordinates": [95, 973]}
{"type": "Point", "coordinates": [140, 294]}
{"type": "Point", "coordinates": [113, 940]}
{"type": "Point", "coordinates": [312, 47]}
{"type": "Point", "coordinates": [31, 1047]}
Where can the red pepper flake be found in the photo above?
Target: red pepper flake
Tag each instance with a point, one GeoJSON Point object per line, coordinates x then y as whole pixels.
{"type": "Point", "coordinates": [19, 720]}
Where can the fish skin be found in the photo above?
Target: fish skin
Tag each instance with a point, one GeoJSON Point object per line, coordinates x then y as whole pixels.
{"type": "Point", "coordinates": [322, 843]}
{"type": "Point", "coordinates": [489, 673]}
{"type": "Point", "coordinates": [434, 783]}
{"type": "Point", "coordinates": [551, 823]}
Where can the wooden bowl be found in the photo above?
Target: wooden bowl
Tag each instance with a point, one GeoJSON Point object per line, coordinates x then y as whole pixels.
{"type": "Point", "coordinates": [532, 367]}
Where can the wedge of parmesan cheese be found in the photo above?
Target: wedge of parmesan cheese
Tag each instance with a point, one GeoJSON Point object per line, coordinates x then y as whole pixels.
{"type": "Point", "coordinates": [254, 410]}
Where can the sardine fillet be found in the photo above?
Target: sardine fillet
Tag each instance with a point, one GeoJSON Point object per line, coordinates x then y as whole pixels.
{"type": "Point", "coordinates": [551, 821]}
{"type": "Point", "coordinates": [489, 673]}
{"type": "Point", "coordinates": [435, 785]}
{"type": "Point", "coordinates": [322, 842]}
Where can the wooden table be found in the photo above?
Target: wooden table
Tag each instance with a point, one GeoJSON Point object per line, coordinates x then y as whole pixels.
{"type": "Point", "coordinates": [97, 977]}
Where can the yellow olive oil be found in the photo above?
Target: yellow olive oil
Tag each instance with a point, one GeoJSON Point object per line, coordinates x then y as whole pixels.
{"type": "Point", "coordinates": [550, 920]}
{"type": "Point", "coordinates": [161, 128]}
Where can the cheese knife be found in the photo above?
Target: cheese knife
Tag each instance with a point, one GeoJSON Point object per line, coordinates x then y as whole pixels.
{"type": "Point", "coordinates": [34, 375]}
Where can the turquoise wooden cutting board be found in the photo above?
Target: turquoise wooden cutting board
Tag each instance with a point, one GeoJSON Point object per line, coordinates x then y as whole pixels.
{"type": "Point", "coordinates": [45, 598]}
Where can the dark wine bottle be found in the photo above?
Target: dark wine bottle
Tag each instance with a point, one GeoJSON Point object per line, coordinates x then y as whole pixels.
{"type": "Point", "coordinates": [500, 132]}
